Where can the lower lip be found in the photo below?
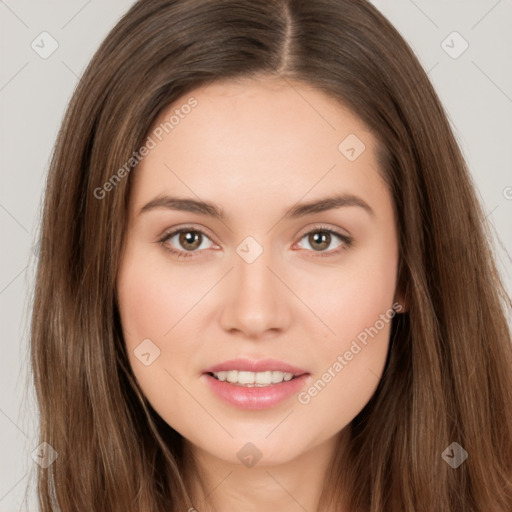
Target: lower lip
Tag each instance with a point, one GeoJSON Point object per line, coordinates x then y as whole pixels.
{"type": "Point", "coordinates": [255, 398]}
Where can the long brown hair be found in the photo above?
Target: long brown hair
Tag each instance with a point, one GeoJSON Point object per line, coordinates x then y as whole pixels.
{"type": "Point", "coordinates": [448, 376]}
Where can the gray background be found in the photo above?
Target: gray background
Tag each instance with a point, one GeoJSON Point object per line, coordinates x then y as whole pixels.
{"type": "Point", "coordinates": [475, 88]}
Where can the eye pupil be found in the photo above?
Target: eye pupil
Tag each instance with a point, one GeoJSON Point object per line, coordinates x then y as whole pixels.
{"type": "Point", "coordinates": [320, 237]}
{"type": "Point", "coordinates": [190, 238]}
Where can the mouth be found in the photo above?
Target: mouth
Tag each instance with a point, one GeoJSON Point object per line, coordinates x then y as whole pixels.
{"type": "Point", "coordinates": [255, 384]}
{"type": "Point", "coordinates": [253, 379]}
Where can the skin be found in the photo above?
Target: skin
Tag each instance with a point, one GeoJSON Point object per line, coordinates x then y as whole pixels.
{"type": "Point", "coordinates": [256, 148]}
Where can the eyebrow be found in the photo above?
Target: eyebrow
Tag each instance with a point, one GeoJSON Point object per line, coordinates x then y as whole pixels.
{"type": "Point", "coordinates": [296, 211]}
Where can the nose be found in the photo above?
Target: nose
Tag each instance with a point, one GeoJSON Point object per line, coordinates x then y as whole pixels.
{"type": "Point", "coordinates": [256, 299]}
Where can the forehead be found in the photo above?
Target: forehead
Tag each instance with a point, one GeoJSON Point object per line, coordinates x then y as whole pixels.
{"type": "Point", "coordinates": [281, 113]}
{"type": "Point", "coordinates": [248, 139]}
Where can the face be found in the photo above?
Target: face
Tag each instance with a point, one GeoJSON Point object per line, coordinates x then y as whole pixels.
{"type": "Point", "coordinates": [271, 281]}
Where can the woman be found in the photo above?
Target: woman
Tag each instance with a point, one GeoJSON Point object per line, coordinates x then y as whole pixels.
{"type": "Point", "coordinates": [333, 338]}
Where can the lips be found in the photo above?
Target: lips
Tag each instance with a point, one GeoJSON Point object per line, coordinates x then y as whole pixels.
{"type": "Point", "coordinates": [255, 396]}
{"type": "Point", "coordinates": [262, 365]}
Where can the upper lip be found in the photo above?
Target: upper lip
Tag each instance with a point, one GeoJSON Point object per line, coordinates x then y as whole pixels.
{"type": "Point", "coordinates": [249, 365]}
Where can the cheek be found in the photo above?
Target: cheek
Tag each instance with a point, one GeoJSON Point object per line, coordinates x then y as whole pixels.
{"type": "Point", "coordinates": [357, 307]}
{"type": "Point", "coordinates": [154, 303]}
{"type": "Point", "coordinates": [349, 366]}
{"type": "Point", "coordinates": [152, 300]}
{"type": "Point", "coordinates": [154, 297]}
{"type": "Point", "coordinates": [350, 298]}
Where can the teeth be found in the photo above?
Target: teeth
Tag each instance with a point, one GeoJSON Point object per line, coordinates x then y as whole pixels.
{"type": "Point", "coordinates": [263, 378]}
{"type": "Point", "coordinates": [253, 379]}
{"type": "Point", "coordinates": [221, 375]}
{"type": "Point", "coordinates": [246, 377]}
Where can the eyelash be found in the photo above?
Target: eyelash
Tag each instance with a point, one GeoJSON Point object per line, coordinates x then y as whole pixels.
{"type": "Point", "coordinates": [347, 241]}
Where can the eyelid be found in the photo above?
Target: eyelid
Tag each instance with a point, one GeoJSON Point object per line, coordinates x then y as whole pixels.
{"type": "Point", "coordinates": [323, 227]}
{"type": "Point", "coordinates": [191, 227]}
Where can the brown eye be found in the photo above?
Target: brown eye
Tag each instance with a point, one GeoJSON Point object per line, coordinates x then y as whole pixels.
{"type": "Point", "coordinates": [190, 239]}
{"type": "Point", "coordinates": [319, 240]}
